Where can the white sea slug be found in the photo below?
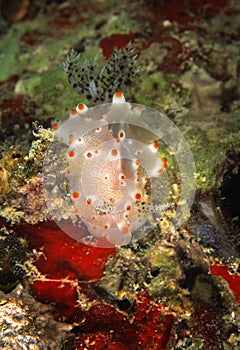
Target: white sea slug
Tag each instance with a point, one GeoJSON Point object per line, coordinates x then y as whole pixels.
{"type": "Point", "coordinates": [117, 182]}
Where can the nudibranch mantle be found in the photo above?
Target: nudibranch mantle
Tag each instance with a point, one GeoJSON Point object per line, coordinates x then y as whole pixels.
{"type": "Point", "coordinates": [117, 182]}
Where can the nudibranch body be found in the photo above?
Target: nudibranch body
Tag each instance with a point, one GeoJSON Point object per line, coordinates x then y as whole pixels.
{"type": "Point", "coordinates": [108, 173]}
{"type": "Point", "coordinates": [117, 182]}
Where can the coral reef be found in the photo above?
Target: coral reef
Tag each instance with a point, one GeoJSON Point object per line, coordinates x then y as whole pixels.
{"type": "Point", "coordinates": [13, 252]}
{"type": "Point", "coordinates": [172, 289]}
{"type": "Point", "coordinates": [27, 324]}
{"type": "Point", "coordinates": [70, 279]}
{"type": "Point", "coordinates": [21, 181]}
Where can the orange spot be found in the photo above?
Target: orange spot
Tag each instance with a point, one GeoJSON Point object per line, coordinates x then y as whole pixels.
{"type": "Point", "coordinates": [80, 106]}
{"type": "Point", "coordinates": [74, 111]}
{"type": "Point", "coordinates": [75, 194]}
{"type": "Point", "coordinates": [160, 172]}
{"type": "Point", "coordinates": [146, 179]}
{"type": "Point", "coordinates": [164, 159]}
{"type": "Point", "coordinates": [114, 152]}
{"type": "Point", "coordinates": [71, 136]}
{"type": "Point", "coordinates": [55, 126]}
{"type": "Point", "coordinates": [138, 162]}
{"type": "Point", "coordinates": [68, 172]}
{"type": "Point", "coordinates": [121, 134]}
{"type": "Point", "coordinates": [128, 207]}
{"type": "Point", "coordinates": [106, 227]}
{"type": "Point", "coordinates": [89, 154]}
{"type": "Point", "coordinates": [138, 196]}
{"type": "Point", "coordinates": [148, 198]}
{"type": "Point", "coordinates": [124, 230]}
{"type": "Point", "coordinates": [155, 144]}
{"type": "Point", "coordinates": [118, 94]}
{"type": "Point", "coordinates": [71, 154]}
{"type": "Point", "coordinates": [89, 201]}
{"type": "Point", "coordinates": [165, 166]}
{"type": "Point", "coordinates": [122, 177]}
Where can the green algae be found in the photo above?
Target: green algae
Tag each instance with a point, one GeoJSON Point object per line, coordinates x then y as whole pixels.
{"type": "Point", "coordinates": [43, 79]}
{"type": "Point", "coordinates": [165, 286]}
{"type": "Point", "coordinates": [17, 56]}
{"type": "Point", "coordinates": [51, 93]}
{"type": "Point", "coordinates": [209, 142]}
{"type": "Point", "coordinates": [10, 61]}
{"type": "Point", "coordinates": [150, 86]}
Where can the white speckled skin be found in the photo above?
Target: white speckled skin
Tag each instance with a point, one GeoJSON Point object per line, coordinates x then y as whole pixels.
{"type": "Point", "coordinates": [107, 168]}
{"type": "Point", "coordinates": [113, 170]}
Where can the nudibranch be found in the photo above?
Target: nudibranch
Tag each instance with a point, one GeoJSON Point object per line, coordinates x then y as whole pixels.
{"type": "Point", "coordinates": [116, 180]}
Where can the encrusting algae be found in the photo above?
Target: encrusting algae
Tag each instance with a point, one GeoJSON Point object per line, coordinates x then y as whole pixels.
{"type": "Point", "coordinates": [180, 279]}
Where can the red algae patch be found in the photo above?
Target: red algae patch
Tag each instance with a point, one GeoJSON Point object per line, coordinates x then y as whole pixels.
{"type": "Point", "coordinates": [150, 327]}
{"type": "Point", "coordinates": [32, 37]}
{"type": "Point", "coordinates": [14, 106]}
{"type": "Point", "coordinates": [183, 13]}
{"type": "Point", "coordinates": [232, 279]}
{"type": "Point", "coordinates": [108, 43]}
{"type": "Point", "coordinates": [63, 267]}
{"type": "Point", "coordinates": [63, 256]}
{"type": "Point", "coordinates": [65, 273]}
